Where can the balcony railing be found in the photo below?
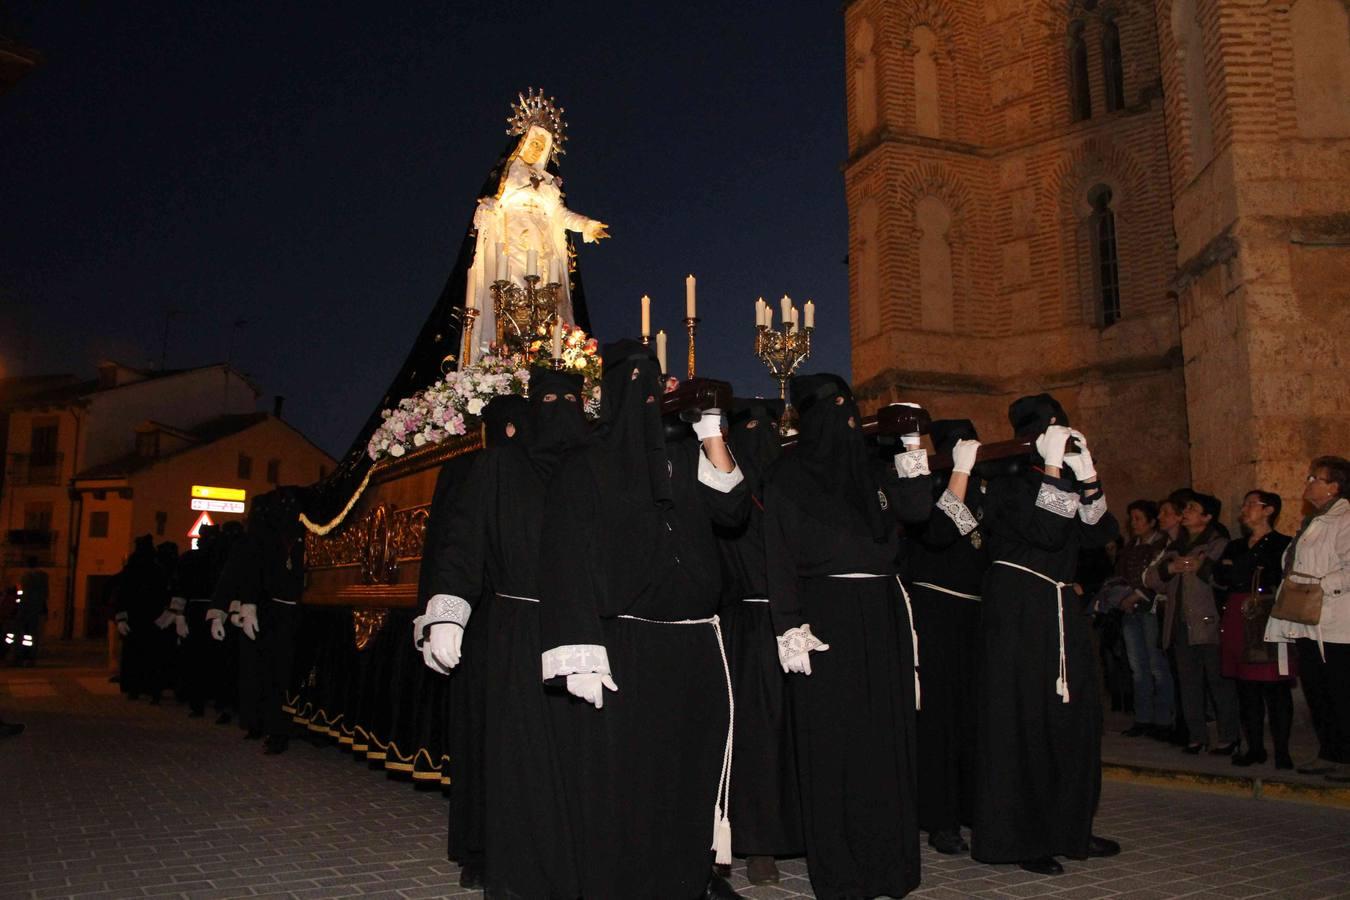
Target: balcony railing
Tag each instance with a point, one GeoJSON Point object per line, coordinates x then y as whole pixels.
{"type": "Point", "coordinates": [24, 544]}
{"type": "Point", "coordinates": [35, 468]}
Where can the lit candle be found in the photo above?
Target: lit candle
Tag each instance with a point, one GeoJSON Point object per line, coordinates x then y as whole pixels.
{"type": "Point", "coordinates": [501, 261]}
{"type": "Point", "coordinates": [792, 319]}
{"type": "Point", "coordinates": [646, 315]}
{"type": "Point", "coordinates": [768, 316]}
{"type": "Point", "coordinates": [661, 351]}
{"type": "Point", "coordinates": [786, 305]}
{"type": "Point", "coordinates": [557, 339]}
{"type": "Point", "coordinates": [810, 314]}
{"type": "Point", "coordinates": [760, 305]}
{"type": "Point", "coordinates": [689, 305]}
{"type": "Point", "coordinates": [531, 262]}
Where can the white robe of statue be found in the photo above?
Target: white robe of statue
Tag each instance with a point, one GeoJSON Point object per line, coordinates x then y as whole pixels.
{"type": "Point", "coordinates": [527, 214]}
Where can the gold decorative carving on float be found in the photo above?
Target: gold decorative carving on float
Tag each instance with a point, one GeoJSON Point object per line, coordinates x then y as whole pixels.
{"type": "Point", "coordinates": [366, 623]}
{"type": "Point", "coordinates": [375, 542]}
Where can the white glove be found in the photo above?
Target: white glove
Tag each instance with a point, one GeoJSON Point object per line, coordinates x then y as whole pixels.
{"type": "Point", "coordinates": [217, 619]}
{"type": "Point", "coordinates": [963, 456]}
{"type": "Point", "coordinates": [165, 619]}
{"type": "Point", "coordinates": [180, 625]}
{"type": "Point", "coordinates": [795, 647]}
{"type": "Point", "coordinates": [1081, 462]}
{"type": "Point", "coordinates": [591, 687]}
{"type": "Point", "coordinates": [248, 620]}
{"type": "Point", "coordinates": [443, 646]}
{"type": "Point", "coordinates": [1050, 445]}
{"type": "Point", "coordinates": [234, 613]}
{"type": "Point", "coordinates": [123, 628]}
{"type": "Point", "coordinates": [710, 425]}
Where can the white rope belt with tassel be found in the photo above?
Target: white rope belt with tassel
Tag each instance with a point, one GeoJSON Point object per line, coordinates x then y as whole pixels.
{"type": "Point", "coordinates": [722, 805]}
{"type": "Point", "coordinates": [913, 635]}
{"type": "Point", "coordinates": [1062, 683]}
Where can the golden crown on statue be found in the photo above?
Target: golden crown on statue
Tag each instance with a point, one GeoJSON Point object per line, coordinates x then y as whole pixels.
{"type": "Point", "coordinates": [533, 108]}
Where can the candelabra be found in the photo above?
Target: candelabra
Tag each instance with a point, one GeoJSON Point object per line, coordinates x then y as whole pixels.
{"type": "Point", "coordinates": [524, 312]}
{"type": "Point", "coordinates": [691, 325]}
{"type": "Point", "coordinates": [782, 351]}
{"type": "Point", "coordinates": [466, 340]}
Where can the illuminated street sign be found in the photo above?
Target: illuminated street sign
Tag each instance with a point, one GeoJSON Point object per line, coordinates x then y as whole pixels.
{"type": "Point", "coordinates": [221, 506]}
{"type": "Point", "coordinates": [196, 530]}
{"type": "Point", "coordinates": [207, 492]}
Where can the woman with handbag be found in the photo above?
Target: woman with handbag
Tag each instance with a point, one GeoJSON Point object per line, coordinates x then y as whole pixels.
{"type": "Point", "coordinates": [1312, 610]}
{"type": "Point", "coordinates": [1249, 572]}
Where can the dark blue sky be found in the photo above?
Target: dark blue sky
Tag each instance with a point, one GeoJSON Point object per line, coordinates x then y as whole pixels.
{"type": "Point", "coordinates": [311, 168]}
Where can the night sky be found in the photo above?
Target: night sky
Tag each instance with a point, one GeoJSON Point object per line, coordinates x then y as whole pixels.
{"type": "Point", "coordinates": [311, 169]}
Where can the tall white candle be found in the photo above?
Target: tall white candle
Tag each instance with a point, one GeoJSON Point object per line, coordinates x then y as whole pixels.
{"type": "Point", "coordinates": [759, 312]}
{"type": "Point", "coordinates": [768, 316]}
{"type": "Point", "coordinates": [810, 314]}
{"type": "Point", "coordinates": [785, 305]}
{"type": "Point", "coordinates": [646, 315]}
{"type": "Point", "coordinates": [501, 261]}
{"type": "Point", "coordinates": [557, 339]}
{"type": "Point", "coordinates": [531, 262]}
{"type": "Point", "coordinates": [661, 351]}
{"type": "Point", "coordinates": [792, 319]}
{"type": "Point", "coordinates": [689, 305]}
{"type": "Point", "coordinates": [555, 271]}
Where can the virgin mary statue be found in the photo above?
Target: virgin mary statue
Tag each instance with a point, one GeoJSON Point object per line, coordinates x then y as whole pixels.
{"type": "Point", "coordinates": [520, 209]}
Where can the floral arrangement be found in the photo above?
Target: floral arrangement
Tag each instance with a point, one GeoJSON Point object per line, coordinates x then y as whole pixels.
{"type": "Point", "coordinates": [432, 415]}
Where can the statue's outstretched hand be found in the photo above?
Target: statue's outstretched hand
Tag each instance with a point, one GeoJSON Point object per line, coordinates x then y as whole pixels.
{"type": "Point", "coordinates": [595, 231]}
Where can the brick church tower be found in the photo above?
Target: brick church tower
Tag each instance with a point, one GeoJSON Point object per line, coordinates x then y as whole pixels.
{"type": "Point", "coordinates": [1025, 214]}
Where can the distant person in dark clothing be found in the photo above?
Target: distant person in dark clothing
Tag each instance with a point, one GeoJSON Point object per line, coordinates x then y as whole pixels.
{"type": "Point", "coordinates": [30, 605]}
{"type": "Point", "coordinates": [1153, 689]}
{"type": "Point", "coordinates": [142, 595]}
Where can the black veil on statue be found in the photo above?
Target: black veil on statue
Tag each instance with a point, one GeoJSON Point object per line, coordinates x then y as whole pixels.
{"type": "Point", "coordinates": [439, 337]}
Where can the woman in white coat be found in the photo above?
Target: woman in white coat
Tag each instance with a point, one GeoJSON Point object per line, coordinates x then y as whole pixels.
{"type": "Point", "coordinates": [1320, 554]}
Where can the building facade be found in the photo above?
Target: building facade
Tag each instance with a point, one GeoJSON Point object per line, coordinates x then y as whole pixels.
{"type": "Point", "coordinates": [1026, 213]}
{"type": "Point", "coordinates": [66, 427]}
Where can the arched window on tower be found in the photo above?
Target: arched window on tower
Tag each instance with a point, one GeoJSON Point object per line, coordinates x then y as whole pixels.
{"type": "Point", "coordinates": [1113, 69]}
{"type": "Point", "coordinates": [865, 85]}
{"type": "Point", "coordinates": [927, 118]}
{"type": "Point", "coordinates": [1105, 259]}
{"type": "Point", "coordinates": [1080, 92]}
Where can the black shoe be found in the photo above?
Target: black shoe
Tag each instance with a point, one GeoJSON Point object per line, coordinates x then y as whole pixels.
{"type": "Point", "coordinates": [275, 744]}
{"type": "Point", "coordinates": [761, 869]}
{"type": "Point", "coordinates": [948, 842]}
{"type": "Point", "coordinates": [1284, 761]}
{"type": "Point", "coordinates": [253, 734]}
{"type": "Point", "coordinates": [719, 889]}
{"type": "Point", "coordinates": [10, 729]}
{"type": "Point", "coordinates": [1226, 749]}
{"type": "Point", "coordinates": [1250, 758]}
{"type": "Point", "coordinates": [1138, 729]}
{"type": "Point", "coordinates": [1100, 846]}
{"type": "Point", "coordinates": [224, 719]}
{"type": "Point", "coordinates": [471, 875]}
{"type": "Point", "coordinates": [1193, 749]}
{"type": "Point", "coordinates": [1046, 865]}
{"type": "Point", "coordinates": [722, 870]}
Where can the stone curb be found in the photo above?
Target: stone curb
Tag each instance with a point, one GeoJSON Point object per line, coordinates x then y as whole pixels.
{"type": "Point", "coordinates": [1255, 788]}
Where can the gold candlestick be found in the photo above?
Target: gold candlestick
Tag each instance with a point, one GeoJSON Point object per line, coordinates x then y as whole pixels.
{"type": "Point", "coordinates": [783, 351]}
{"type": "Point", "coordinates": [691, 324]}
{"type": "Point", "coordinates": [524, 311]}
{"type": "Point", "coordinates": [466, 342]}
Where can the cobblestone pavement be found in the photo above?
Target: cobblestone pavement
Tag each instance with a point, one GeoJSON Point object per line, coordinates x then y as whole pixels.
{"type": "Point", "coordinates": [108, 798]}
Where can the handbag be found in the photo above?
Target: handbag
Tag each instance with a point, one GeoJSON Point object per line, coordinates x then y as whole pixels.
{"type": "Point", "coordinates": [1299, 601]}
{"type": "Point", "coordinates": [1256, 609]}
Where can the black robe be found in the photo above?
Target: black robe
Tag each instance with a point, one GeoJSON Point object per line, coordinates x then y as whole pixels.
{"type": "Point", "coordinates": [490, 544]}
{"type": "Point", "coordinates": [142, 595]}
{"type": "Point", "coordinates": [854, 714]}
{"type": "Point", "coordinates": [644, 770]}
{"type": "Point", "coordinates": [1038, 774]}
{"type": "Point", "coordinates": [765, 804]}
{"type": "Point", "coordinates": [947, 558]}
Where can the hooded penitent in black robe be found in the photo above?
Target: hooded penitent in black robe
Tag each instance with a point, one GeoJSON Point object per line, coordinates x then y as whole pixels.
{"type": "Point", "coordinates": [765, 806]}
{"type": "Point", "coordinates": [830, 513]}
{"type": "Point", "coordinates": [1038, 753]}
{"type": "Point", "coordinates": [443, 579]}
{"type": "Point", "coordinates": [632, 588]}
{"type": "Point", "coordinates": [199, 654]}
{"type": "Point", "coordinates": [493, 538]}
{"type": "Point", "coordinates": [142, 595]}
{"type": "Point", "coordinates": [945, 561]}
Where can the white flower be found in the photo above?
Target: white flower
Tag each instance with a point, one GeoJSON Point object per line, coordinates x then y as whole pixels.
{"type": "Point", "coordinates": [396, 451]}
{"type": "Point", "coordinates": [419, 439]}
{"type": "Point", "coordinates": [475, 407]}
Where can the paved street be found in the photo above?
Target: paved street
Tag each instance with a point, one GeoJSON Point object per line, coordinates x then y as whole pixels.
{"type": "Point", "coordinates": [107, 798]}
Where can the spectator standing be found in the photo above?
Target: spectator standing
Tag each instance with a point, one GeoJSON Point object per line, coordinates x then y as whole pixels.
{"type": "Point", "coordinates": [1320, 556]}
{"type": "Point", "coordinates": [1153, 688]}
{"type": "Point", "coordinates": [1191, 622]}
{"type": "Point", "coordinates": [1249, 572]}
